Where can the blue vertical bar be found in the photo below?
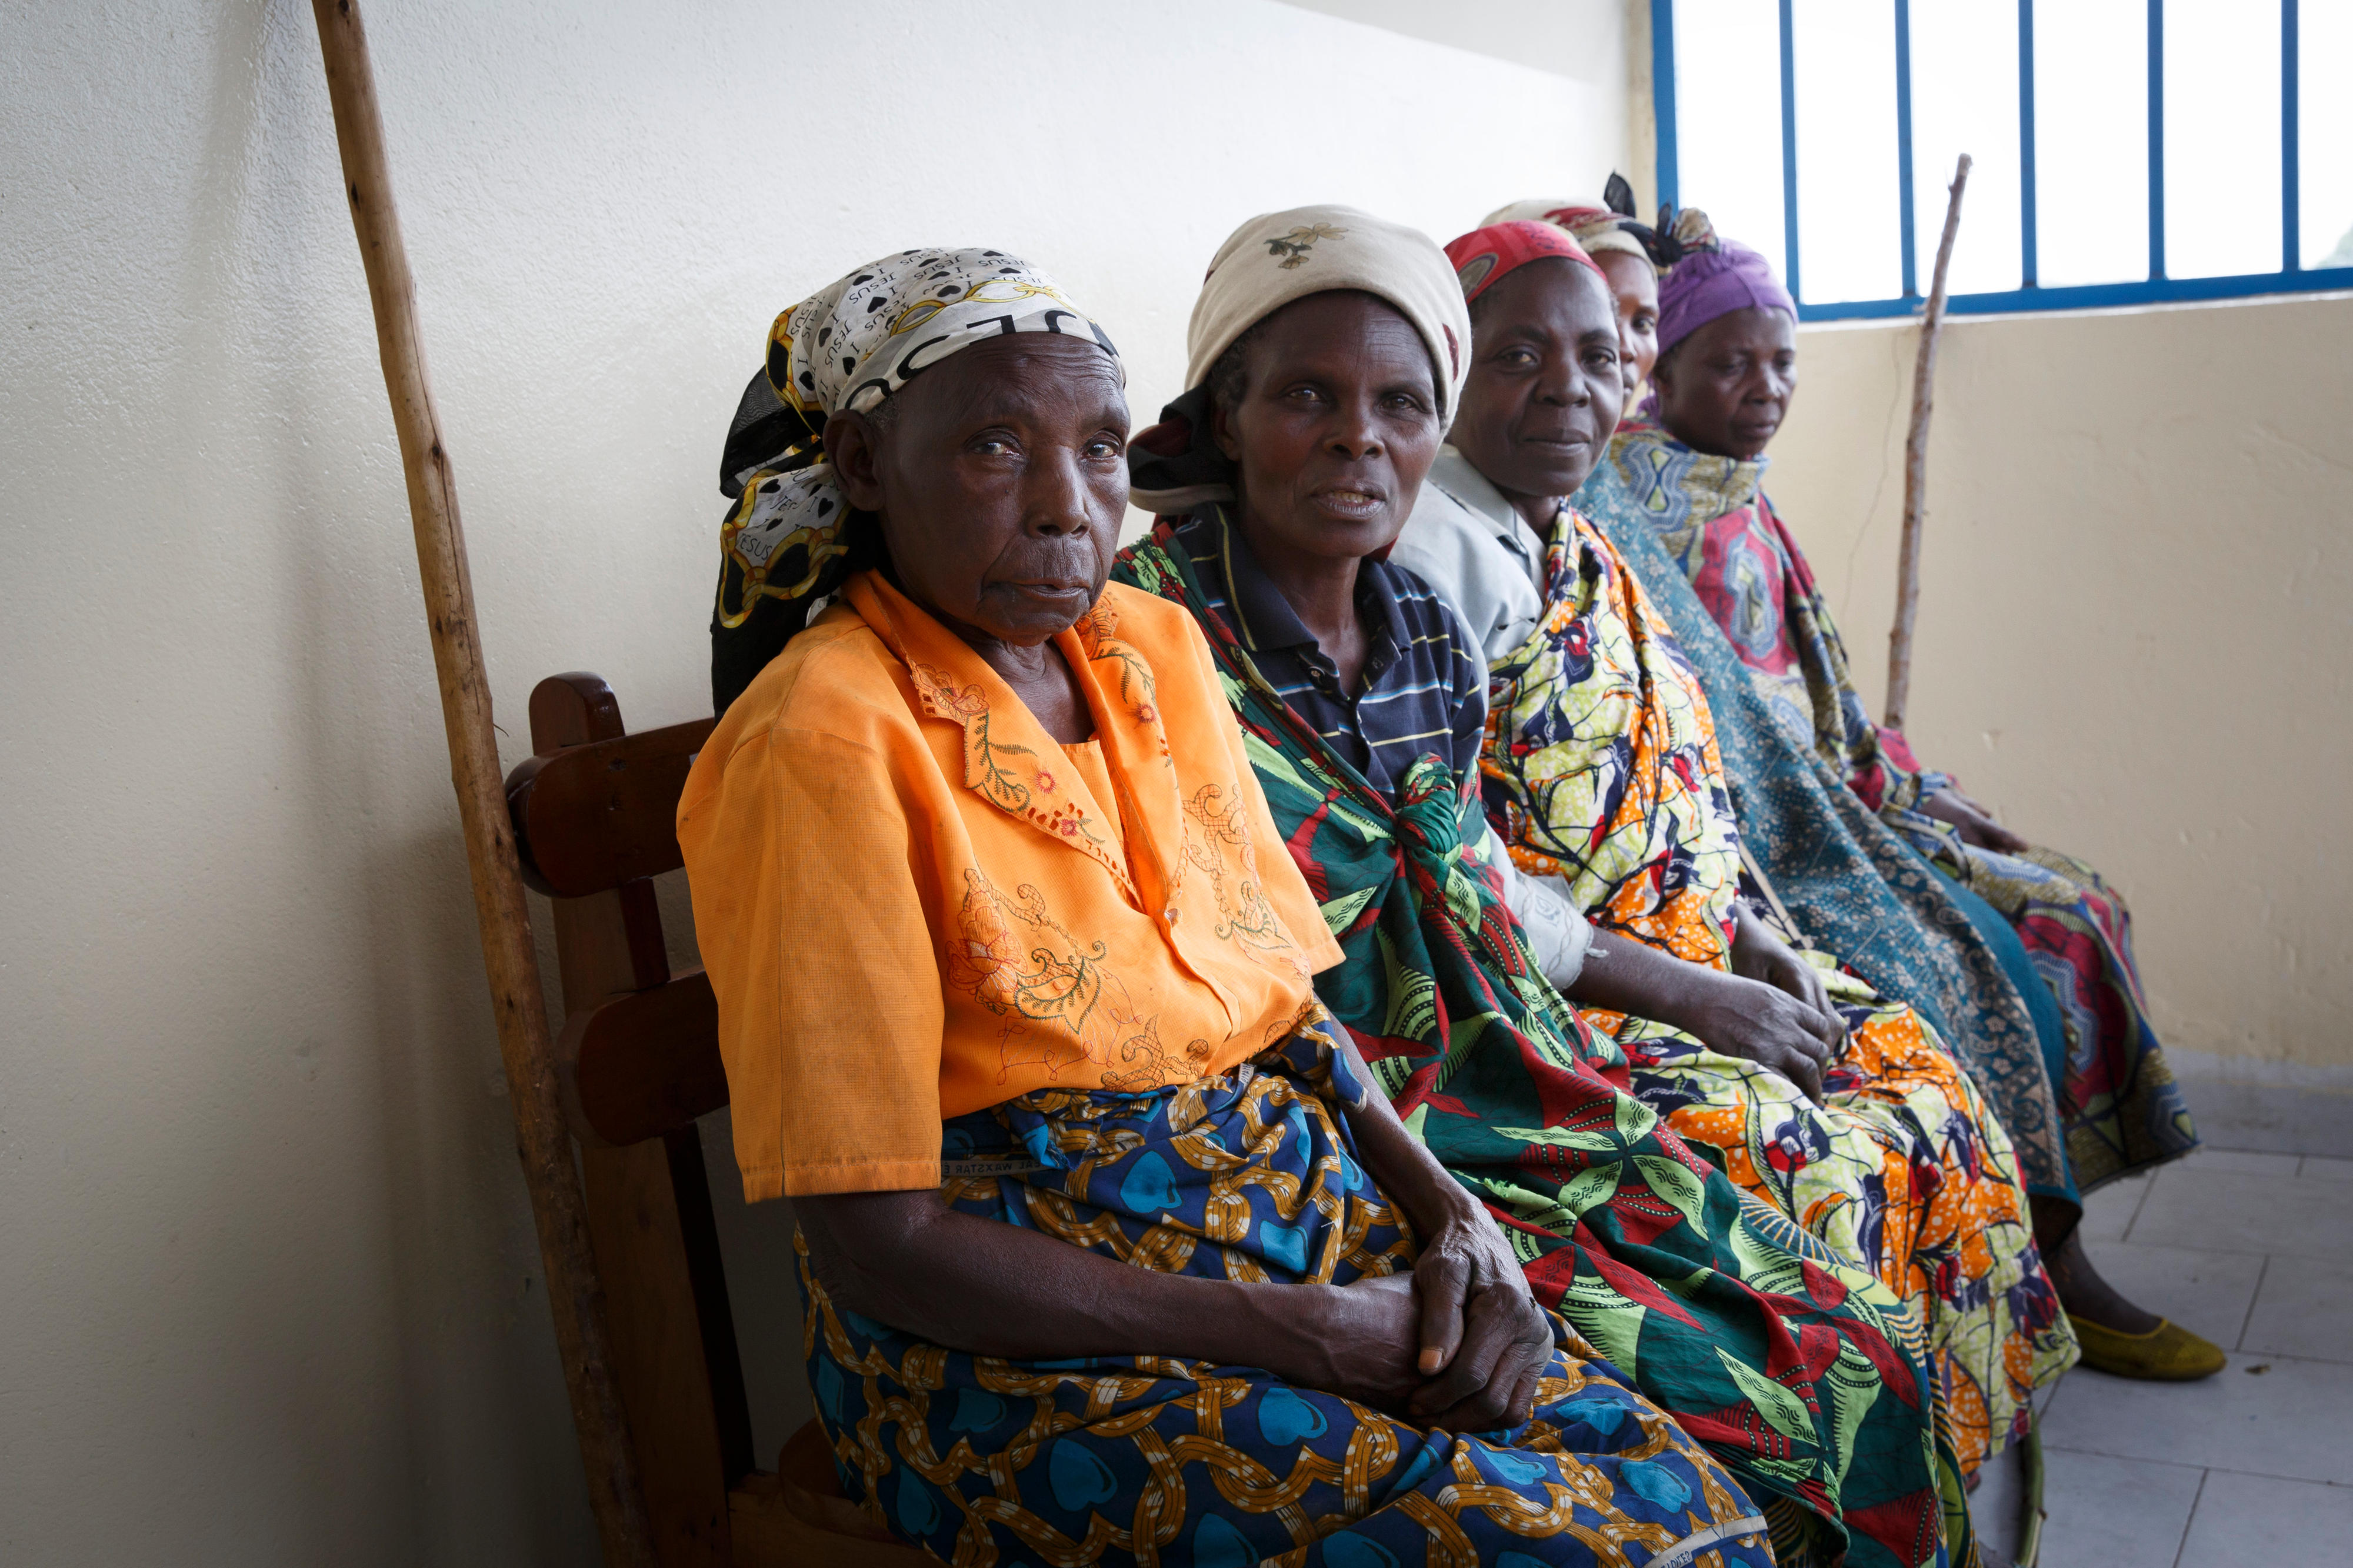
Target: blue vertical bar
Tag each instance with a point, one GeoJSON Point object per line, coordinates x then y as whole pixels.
{"type": "Point", "coordinates": [2028, 262]}
{"type": "Point", "coordinates": [2291, 179]}
{"type": "Point", "coordinates": [2156, 138]}
{"type": "Point", "coordinates": [1662, 97]}
{"type": "Point", "coordinates": [1904, 146]}
{"type": "Point", "coordinates": [1789, 153]}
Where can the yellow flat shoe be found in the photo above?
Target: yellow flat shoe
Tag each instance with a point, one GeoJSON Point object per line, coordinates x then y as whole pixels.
{"type": "Point", "coordinates": [2167, 1353]}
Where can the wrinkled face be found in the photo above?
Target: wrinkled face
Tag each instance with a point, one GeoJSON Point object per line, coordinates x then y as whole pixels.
{"type": "Point", "coordinates": [1000, 478]}
{"type": "Point", "coordinates": [1546, 385]}
{"type": "Point", "coordinates": [1334, 427]}
{"type": "Point", "coordinates": [1726, 387]}
{"type": "Point", "coordinates": [1634, 286]}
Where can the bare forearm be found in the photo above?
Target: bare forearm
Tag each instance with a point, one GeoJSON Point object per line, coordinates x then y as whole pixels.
{"type": "Point", "coordinates": [1785, 1024]}
{"type": "Point", "coordinates": [1401, 1165]}
{"type": "Point", "coordinates": [991, 1288]}
{"type": "Point", "coordinates": [1480, 1341]}
{"type": "Point", "coordinates": [1624, 977]}
{"type": "Point", "coordinates": [1976, 824]}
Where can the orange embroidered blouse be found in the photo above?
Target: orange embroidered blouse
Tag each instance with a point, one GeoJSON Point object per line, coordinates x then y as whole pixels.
{"type": "Point", "coordinates": [911, 904]}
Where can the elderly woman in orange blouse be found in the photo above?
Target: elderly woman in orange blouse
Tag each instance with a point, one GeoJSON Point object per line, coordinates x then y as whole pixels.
{"type": "Point", "coordinates": [1106, 1252]}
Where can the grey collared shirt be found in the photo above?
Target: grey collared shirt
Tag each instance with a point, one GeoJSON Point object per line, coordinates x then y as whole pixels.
{"type": "Point", "coordinates": [1472, 547]}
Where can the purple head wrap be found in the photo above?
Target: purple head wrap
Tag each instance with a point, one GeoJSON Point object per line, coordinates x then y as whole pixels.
{"type": "Point", "coordinates": [1715, 278]}
{"type": "Point", "coordinates": [1706, 284]}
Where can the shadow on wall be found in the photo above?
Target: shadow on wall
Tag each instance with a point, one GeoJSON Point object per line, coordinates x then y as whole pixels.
{"type": "Point", "coordinates": [756, 1241]}
{"type": "Point", "coordinates": [300, 1298]}
{"type": "Point", "coordinates": [482, 1421]}
{"type": "Point", "coordinates": [470, 1300]}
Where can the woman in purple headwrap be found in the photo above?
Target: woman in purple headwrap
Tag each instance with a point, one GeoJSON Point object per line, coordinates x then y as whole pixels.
{"type": "Point", "coordinates": [2021, 954]}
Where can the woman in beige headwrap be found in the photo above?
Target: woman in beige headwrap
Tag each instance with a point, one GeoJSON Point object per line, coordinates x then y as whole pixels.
{"type": "Point", "coordinates": [1328, 352]}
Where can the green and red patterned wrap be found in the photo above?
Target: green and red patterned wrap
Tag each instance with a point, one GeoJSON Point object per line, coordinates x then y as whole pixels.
{"type": "Point", "coordinates": [1798, 1370]}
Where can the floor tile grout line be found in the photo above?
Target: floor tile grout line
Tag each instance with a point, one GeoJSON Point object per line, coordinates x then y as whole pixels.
{"type": "Point", "coordinates": [2191, 1522]}
{"type": "Point", "coordinates": [2268, 1475]}
{"type": "Point", "coordinates": [2254, 1296]}
{"type": "Point", "coordinates": [2202, 1469]}
{"type": "Point", "coordinates": [2099, 1378]}
{"type": "Point", "coordinates": [2209, 1251]}
{"type": "Point", "coordinates": [2168, 1247]}
{"type": "Point", "coordinates": [2137, 1459]}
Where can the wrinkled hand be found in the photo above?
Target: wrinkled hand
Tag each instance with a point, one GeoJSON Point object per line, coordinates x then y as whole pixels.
{"type": "Point", "coordinates": [1765, 1025]}
{"type": "Point", "coordinates": [1758, 954]}
{"type": "Point", "coordinates": [1974, 822]}
{"type": "Point", "coordinates": [1483, 1341]}
{"type": "Point", "coordinates": [1359, 1341]}
{"type": "Point", "coordinates": [1457, 1343]}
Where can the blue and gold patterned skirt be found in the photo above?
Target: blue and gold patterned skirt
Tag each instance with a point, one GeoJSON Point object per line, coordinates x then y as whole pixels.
{"type": "Point", "coordinates": [1250, 1175]}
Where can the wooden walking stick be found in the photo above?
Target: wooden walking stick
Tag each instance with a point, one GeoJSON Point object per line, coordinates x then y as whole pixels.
{"type": "Point", "coordinates": [542, 1137]}
{"type": "Point", "coordinates": [1915, 464]}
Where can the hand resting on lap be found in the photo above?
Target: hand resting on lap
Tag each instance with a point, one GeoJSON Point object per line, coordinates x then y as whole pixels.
{"type": "Point", "coordinates": [1459, 1343]}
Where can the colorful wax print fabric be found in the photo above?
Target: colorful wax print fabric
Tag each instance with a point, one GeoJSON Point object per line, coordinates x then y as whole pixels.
{"type": "Point", "coordinates": [1139, 1460]}
{"type": "Point", "coordinates": [1901, 1168]}
{"type": "Point", "coordinates": [2119, 1105]}
{"type": "Point", "coordinates": [1602, 767]}
{"type": "Point", "coordinates": [1848, 881]}
{"type": "Point", "coordinates": [1802, 1373]}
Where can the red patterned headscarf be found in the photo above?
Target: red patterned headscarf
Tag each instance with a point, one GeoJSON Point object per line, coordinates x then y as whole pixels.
{"type": "Point", "coordinates": [1483, 256]}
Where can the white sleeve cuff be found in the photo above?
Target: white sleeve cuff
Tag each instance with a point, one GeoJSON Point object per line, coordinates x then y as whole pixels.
{"type": "Point", "coordinates": [1556, 932]}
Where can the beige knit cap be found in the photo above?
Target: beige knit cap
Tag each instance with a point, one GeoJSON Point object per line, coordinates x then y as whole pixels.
{"type": "Point", "coordinates": [1277, 258]}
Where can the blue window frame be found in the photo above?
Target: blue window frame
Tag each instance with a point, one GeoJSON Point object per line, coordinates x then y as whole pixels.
{"type": "Point", "coordinates": [1833, 57]}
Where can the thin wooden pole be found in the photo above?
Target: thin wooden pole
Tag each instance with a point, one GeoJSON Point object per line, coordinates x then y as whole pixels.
{"type": "Point", "coordinates": [542, 1141]}
{"type": "Point", "coordinates": [1915, 464]}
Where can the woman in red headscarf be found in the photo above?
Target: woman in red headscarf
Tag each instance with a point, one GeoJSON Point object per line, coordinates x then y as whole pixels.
{"type": "Point", "coordinates": [1836, 1105]}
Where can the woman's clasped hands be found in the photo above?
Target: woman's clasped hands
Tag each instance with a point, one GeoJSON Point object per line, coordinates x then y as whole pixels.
{"type": "Point", "coordinates": [1458, 1343]}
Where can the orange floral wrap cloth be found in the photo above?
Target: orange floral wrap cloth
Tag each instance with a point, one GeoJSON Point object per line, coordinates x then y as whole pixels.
{"type": "Point", "coordinates": [1602, 767]}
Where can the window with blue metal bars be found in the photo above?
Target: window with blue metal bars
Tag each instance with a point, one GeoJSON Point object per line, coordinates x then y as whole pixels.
{"type": "Point", "coordinates": [2126, 151]}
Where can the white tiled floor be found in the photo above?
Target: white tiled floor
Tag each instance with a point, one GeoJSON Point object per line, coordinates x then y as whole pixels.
{"type": "Point", "coordinates": [2255, 1464]}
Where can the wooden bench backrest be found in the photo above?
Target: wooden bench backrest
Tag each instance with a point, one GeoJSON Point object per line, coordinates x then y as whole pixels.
{"type": "Point", "coordinates": [638, 1054]}
{"type": "Point", "coordinates": [594, 814]}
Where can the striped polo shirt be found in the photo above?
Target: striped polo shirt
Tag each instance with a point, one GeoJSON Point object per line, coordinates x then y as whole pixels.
{"type": "Point", "coordinates": [1420, 693]}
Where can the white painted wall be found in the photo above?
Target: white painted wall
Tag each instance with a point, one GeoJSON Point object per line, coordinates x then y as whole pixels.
{"type": "Point", "coordinates": [1602, 45]}
{"type": "Point", "coordinates": [269, 1290]}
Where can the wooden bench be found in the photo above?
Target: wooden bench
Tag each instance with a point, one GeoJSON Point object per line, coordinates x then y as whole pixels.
{"type": "Point", "coordinates": [594, 813]}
